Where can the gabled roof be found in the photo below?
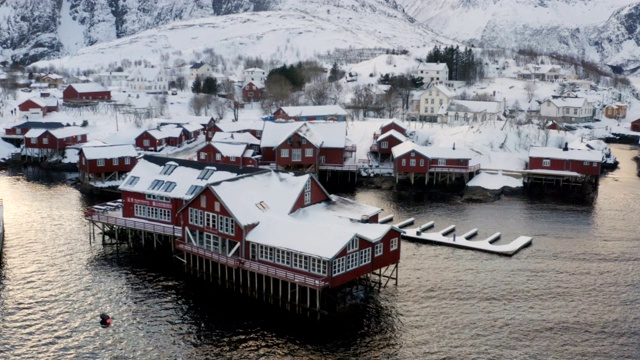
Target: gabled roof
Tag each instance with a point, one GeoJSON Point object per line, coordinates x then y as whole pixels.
{"type": "Point", "coordinates": [50, 101]}
{"type": "Point", "coordinates": [53, 76]}
{"type": "Point", "coordinates": [576, 102]}
{"type": "Point", "coordinates": [184, 175]}
{"type": "Point", "coordinates": [57, 132]}
{"type": "Point", "coordinates": [230, 126]}
{"type": "Point", "coordinates": [432, 66]}
{"type": "Point", "coordinates": [147, 74]}
{"type": "Point", "coordinates": [108, 151]}
{"type": "Point", "coordinates": [491, 107]}
{"type": "Point", "coordinates": [321, 133]}
{"type": "Point", "coordinates": [190, 127]}
{"type": "Point", "coordinates": [257, 83]}
{"type": "Point", "coordinates": [229, 150]}
{"type": "Point", "coordinates": [393, 121]}
{"type": "Point", "coordinates": [235, 138]}
{"type": "Point", "coordinates": [88, 87]}
{"type": "Point", "coordinates": [321, 110]}
{"type": "Point", "coordinates": [392, 133]}
{"type": "Point", "coordinates": [172, 130]}
{"type": "Point", "coordinates": [198, 65]}
{"type": "Point", "coordinates": [252, 70]}
{"type": "Point", "coordinates": [556, 153]}
{"type": "Point", "coordinates": [38, 125]}
{"type": "Point", "coordinates": [432, 152]}
{"type": "Point", "coordinates": [445, 90]}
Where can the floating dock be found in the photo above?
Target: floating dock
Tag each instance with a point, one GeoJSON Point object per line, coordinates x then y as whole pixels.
{"type": "Point", "coordinates": [487, 245]}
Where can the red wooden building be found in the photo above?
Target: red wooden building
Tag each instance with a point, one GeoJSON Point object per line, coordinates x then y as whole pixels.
{"type": "Point", "coordinates": [193, 129]}
{"type": "Point", "coordinates": [43, 143]}
{"type": "Point", "coordinates": [217, 152]}
{"type": "Point", "coordinates": [307, 147]}
{"type": "Point", "coordinates": [86, 92]}
{"type": "Point", "coordinates": [102, 163]}
{"type": "Point", "coordinates": [252, 91]}
{"type": "Point", "coordinates": [385, 142]}
{"type": "Point", "coordinates": [392, 124]}
{"type": "Point", "coordinates": [39, 105]}
{"type": "Point", "coordinates": [254, 128]}
{"type": "Point", "coordinates": [151, 140]}
{"type": "Point", "coordinates": [22, 128]}
{"type": "Point", "coordinates": [565, 161]}
{"type": "Point", "coordinates": [432, 161]}
{"type": "Point", "coordinates": [635, 125]}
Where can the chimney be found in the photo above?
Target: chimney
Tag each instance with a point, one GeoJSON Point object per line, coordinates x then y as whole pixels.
{"type": "Point", "coordinates": [566, 146]}
{"type": "Point", "coordinates": [454, 146]}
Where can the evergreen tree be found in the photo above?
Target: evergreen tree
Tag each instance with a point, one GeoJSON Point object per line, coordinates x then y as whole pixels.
{"type": "Point", "coordinates": [210, 85]}
{"type": "Point", "coordinates": [196, 87]}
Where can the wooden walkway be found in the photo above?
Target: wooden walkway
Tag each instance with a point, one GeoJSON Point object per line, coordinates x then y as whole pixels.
{"type": "Point", "coordinates": [463, 241]}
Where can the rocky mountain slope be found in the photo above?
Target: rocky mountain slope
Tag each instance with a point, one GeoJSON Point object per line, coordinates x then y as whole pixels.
{"type": "Point", "coordinates": [599, 30]}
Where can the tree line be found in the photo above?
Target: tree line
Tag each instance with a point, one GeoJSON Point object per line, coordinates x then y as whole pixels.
{"type": "Point", "coordinates": [462, 64]}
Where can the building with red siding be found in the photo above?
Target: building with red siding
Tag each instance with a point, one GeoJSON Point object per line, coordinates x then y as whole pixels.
{"type": "Point", "coordinates": [307, 147]}
{"type": "Point", "coordinates": [106, 164]}
{"type": "Point", "coordinates": [564, 162]}
{"type": "Point", "coordinates": [39, 106]}
{"type": "Point", "coordinates": [252, 91]}
{"type": "Point", "coordinates": [151, 140]}
{"type": "Point", "coordinates": [220, 152]}
{"type": "Point", "coordinates": [391, 124]}
{"type": "Point", "coordinates": [635, 125]}
{"type": "Point", "coordinates": [44, 143]}
{"type": "Point", "coordinates": [254, 128]}
{"type": "Point", "coordinates": [385, 142]}
{"type": "Point", "coordinates": [86, 92]}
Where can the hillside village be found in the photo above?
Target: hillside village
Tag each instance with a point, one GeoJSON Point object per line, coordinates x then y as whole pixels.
{"type": "Point", "coordinates": [329, 117]}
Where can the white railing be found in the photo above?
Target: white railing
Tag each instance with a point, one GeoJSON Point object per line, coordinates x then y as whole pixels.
{"type": "Point", "coordinates": [351, 167]}
{"type": "Point", "coordinates": [133, 224]}
{"type": "Point", "coordinates": [252, 266]}
{"type": "Point", "coordinates": [455, 169]}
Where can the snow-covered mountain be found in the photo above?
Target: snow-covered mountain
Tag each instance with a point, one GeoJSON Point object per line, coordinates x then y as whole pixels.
{"type": "Point", "coordinates": [314, 27]}
{"type": "Point", "coordinates": [600, 30]}
{"type": "Point", "coordinates": [31, 30]}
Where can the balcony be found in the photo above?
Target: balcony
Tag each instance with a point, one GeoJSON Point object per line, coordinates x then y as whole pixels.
{"type": "Point", "coordinates": [454, 169]}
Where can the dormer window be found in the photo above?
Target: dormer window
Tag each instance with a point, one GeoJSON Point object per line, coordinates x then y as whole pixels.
{"type": "Point", "coordinates": [206, 173]}
{"type": "Point", "coordinates": [168, 168]}
{"type": "Point", "coordinates": [193, 190]}
{"type": "Point", "coordinates": [169, 186]}
{"type": "Point", "coordinates": [132, 181]}
{"type": "Point", "coordinates": [156, 184]}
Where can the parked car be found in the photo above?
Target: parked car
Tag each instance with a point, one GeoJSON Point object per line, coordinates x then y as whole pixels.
{"type": "Point", "coordinates": [25, 90]}
{"type": "Point", "coordinates": [174, 91]}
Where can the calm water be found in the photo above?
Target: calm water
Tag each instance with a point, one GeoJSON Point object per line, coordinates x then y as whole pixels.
{"type": "Point", "coordinates": [575, 293]}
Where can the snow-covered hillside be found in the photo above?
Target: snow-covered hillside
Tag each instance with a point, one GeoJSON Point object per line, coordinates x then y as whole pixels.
{"type": "Point", "coordinates": [600, 30]}
{"type": "Point", "coordinates": [283, 36]}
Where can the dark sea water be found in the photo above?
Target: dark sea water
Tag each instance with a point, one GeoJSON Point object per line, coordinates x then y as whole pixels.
{"type": "Point", "coordinates": [574, 294]}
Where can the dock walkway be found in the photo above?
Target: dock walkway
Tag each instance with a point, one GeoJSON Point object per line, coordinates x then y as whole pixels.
{"type": "Point", "coordinates": [486, 245]}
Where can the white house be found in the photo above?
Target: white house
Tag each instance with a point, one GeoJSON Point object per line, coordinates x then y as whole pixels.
{"type": "Point", "coordinates": [437, 73]}
{"type": "Point", "coordinates": [112, 78]}
{"type": "Point", "coordinates": [467, 110]}
{"type": "Point", "coordinates": [149, 80]}
{"type": "Point", "coordinates": [567, 109]}
{"type": "Point", "coordinates": [544, 73]}
{"type": "Point", "coordinates": [427, 104]}
{"type": "Point", "coordinates": [255, 75]}
{"type": "Point", "coordinates": [201, 70]}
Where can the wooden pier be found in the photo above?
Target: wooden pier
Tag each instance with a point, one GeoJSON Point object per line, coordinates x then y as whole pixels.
{"type": "Point", "coordinates": [487, 245]}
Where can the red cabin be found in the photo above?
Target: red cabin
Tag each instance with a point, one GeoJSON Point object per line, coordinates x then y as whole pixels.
{"type": "Point", "coordinates": [106, 162]}
{"type": "Point", "coordinates": [41, 105]}
{"type": "Point", "coordinates": [410, 158]}
{"type": "Point", "coordinates": [227, 153]}
{"type": "Point", "coordinates": [254, 128]}
{"type": "Point", "coordinates": [19, 130]}
{"type": "Point", "coordinates": [387, 141]}
{"type": "Point", "coordinates": [635, 125]}
{"type": "Point", "coordinates": [56, 139]}
{"type": "Point", "coordinates": [393, 124]}
{"type": "Point", "coordinates": [555, 160]}
{"type": "Point", "coordinates": [86, 91]}
{"type": "Point", "coordinates": [252, 91]}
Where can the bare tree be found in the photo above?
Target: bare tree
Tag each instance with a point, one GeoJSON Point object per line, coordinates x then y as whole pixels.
{"type": "Point", "coordinates": [234, 106]}
{"type": "Point", "coordinates": [335, 96]}
{"type": "Point", "coordinates": [318, 92]}
{"type": "Point", "coordinates": [483, 97]}
{"type": "Point", "coordinates": [220, 107]}
{"type": "Point", "coordinates": [197, 104]}
{"type": "Point", "coordinates": [530, 88]}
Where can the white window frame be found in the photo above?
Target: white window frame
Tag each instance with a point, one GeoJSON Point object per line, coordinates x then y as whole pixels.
{"type": "Point", "coordinates": [203, 155]}
{"type": "Point", "coordinates": [394, 244]}
{"type": "Point", "coordinates": [353, 244]}
{"type": "Point", "coordinates": [218, 156]}
{"type": "Point", "coordinates": [384, 145]}
{"type": "Point", "coordinates": [338, 266]}
{"type": "Point", "coordinates": [365, 256]}
{"type": "Point", "coordinates": [379, 249]}
{"type": "Point", "coordinates": [307, 197]}
{"type": "Point", "coordinates": [296, 154]}
{"type": "Point", "coordinates": [196, 216]}
{"type": "Point", "coordinates": [442, 162]}
{"type": "Point", "coordinates": [546, 162]}
{"type": "Point", "coordinates": [421, 162]}
{"type": "Point", "coordinates": [404, 162]}
{"type": "Point", "coordinates": [100, 162]}
{"type": "Point", "coordinates": [127, 160]}
{"type": "Point", "coordinates": [45, 141]}
{"type": "Point", "coordinates": [115, 161]}
{"type": "Point", "coordinates": [146, 142]}
{"type": "Point", "coordinates": [284, 153]}
{"type": "Point", "coordinates": [412, 162]}
{"type": "Point", "coordinates": [308, 152]}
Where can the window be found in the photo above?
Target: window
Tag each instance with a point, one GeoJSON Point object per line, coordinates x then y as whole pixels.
{"type": "Point", "coordinates": [195, 216]}
{"type": "Point", "coordinates": [412, 162]}
{"type": "Point", "coordinates": [253, 251]}
{"type": "Point", "coordinates": [304, 141]}
{"type": "Point", "coordinates": [226, 225]}
{"type": "Point", "coordinates": [45, 140]}
{"type": "Point", "coordinates": [100, 162]}
{"type": "Point", "coordinates": [379, 248]}
{"type": "Point", "coordinates": [442, 162]}
{"type": "Point", "coordinates": [586, 163]}
{"type": "Point", "coordinates": [232, 158]}
{"type": "Point", "coordinates": [115, 161]}
{"type": "Point", "coordinates": [307, 198]}
{"type": "Point", "coordinates": [352, 245]}
{"type": "Point", "coordinates": [149, 212]}
{"type": "Point", "coordinates": [308, 152]}
{"type": "Point", "coordinates": [284, 153]}
{"type": "Point", "coordinates": [384, 145]}
{"type": "Point", "coordinates": [338, 266]}
{"type": "Point", "coordinates": [595, 164]}
{"type": "Point", "coordinates": [127, 160]}
{"type": "Point", "coordinates": [394, 244]}
{"type": "Point", "coordinates": [296, 154]}
{"type": "Point", "coordinates": [352, 261]}
{"type": "Point", "coordinates": [404, 162]}
{"type": "Point", "coordinates": [546, 162]}
{"type": "Point", "coordinates": [34, 140]}
{"type": "Point", "coordinates": [132, 181]}
{"type": "Point", "coordinates": [575, 111]}
{"type": "Point", "coordinates": [169, 186]}
{"type": "Point", "coordinates": [421, 162]}
{"type": "Point", "coordinates": [206, 173]}
{"type": "Point", "coordinates": [203, 155]}
{"type": "Point", "coordinates": [413, 154]}
{"type": "Point", "coordinates": [317, 266]}
{"type": "Point", "coordinates": [216, 206]}
{"type": "Point", "coordinates": [307, 185]}
{"type": "Point", "coordinates": [365, 256]}
{"type": "Point", "coordinates": [323, 159]}
{"type": "Point", "coordinates": [146, 142]}
{"type": "Point", "coordinates": [193, 189]}
{"type": "Point", "coordinates": [203, 201]}
{"type": "Point", "coordinates": [156, 184]}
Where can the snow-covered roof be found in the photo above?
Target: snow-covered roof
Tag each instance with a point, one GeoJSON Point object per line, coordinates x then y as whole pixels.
{"type": "Point", "coordinates": [172, 130]}
{"type": "Point", "coordinates": [147, 74]}
{"type": "Point", "coordinates": [37, 125]}
{"type": "Point", "coordinates": [88, 87]}
{"type": "Point", "coordinates": [252, 70]}
{"type": "Point", "coordinates": [491, 107]}
{"type": "Point", "coordinates": [432, 66]}
{"type": "Point", "coordinates": [198, 65]}
{"type": "Point", "coordinates": [228, 150]}
{"type": "Point", "coordinates": [346, 208]}
{"type": "Point", "coordinates": [392, 133]}
{"type": "Point", "coordinates": [321, 110]}
{"type": "Point", "coordinates": [190, 127]}
{"type": "Point", "coordinates": [320, 133]}
{"type": "Point", "coordinates": [157, 134]}
{"type": "Point", "coordinates": [58, 133]}
{"type": "Point", "coordinates": [240, 126]}
{"type": "Point", "coordinates": [185, 175]}
{"type": "Point", "coordinates": [53, 76]}
{"type": "Point", "coordinates": [49, 101]}
{"type": "Point", "coordinates": [393, 121]}
{"type": "Point", "coordinates": [235, 138]}
{"type": "Point", "coordinates": [568, 102]}
{"type": "Point", "coordinates": [556, 153]}
{"type": "Point", "coordinates": [445, 90]}
{"type": "Point", "coordinates": [108, 151]}
{"type": "Point", "coordinates": [432, 152]}
{"type": "Point", "coordinates": [257, 83]}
